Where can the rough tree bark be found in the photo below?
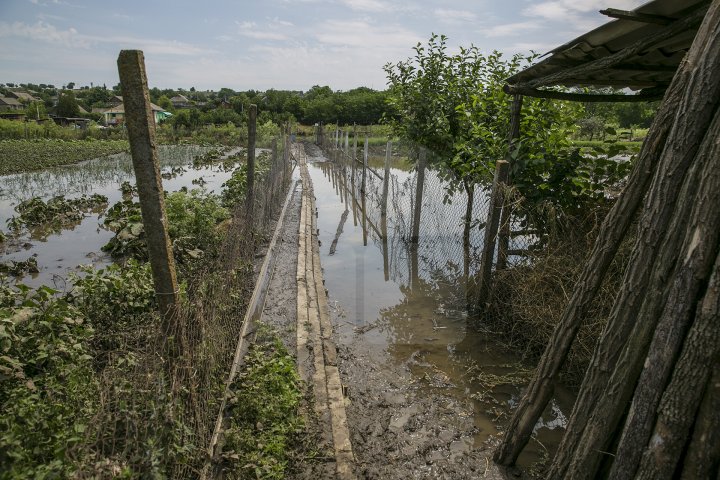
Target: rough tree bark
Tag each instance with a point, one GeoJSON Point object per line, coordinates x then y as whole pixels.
{"type": "Point", "coordinates": [682, 397]}
{"type": "Point", "coordinates": [611, 235]}
{"type": "Point", "coordinates": [619, 356]}
{"type": "Point", "coordinates": [698, 255]}
{"type": "Point", "coordinates": [680, 124]}
{"type": "Point", "coordinates": [702, 460]}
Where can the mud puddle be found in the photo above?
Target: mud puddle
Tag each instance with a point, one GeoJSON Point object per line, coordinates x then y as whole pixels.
{"type": "Point", "coordinates": [59, 252]}
{"type": "Point", "coordinates": [428, 396]}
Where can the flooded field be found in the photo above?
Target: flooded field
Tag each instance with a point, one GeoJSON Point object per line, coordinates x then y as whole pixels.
{"type": "Point", "coordinates": [405, 309]}
{"type": "Point", "coordinates": [59, 251]}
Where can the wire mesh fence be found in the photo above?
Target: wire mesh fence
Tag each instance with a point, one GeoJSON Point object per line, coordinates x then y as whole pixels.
{"type": "Point", "coordinates": [162, 392]}
{"type": "Point", "coordinates": [451, 222]}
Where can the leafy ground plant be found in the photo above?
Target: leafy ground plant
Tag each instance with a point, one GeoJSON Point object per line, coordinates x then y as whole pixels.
{"type": "Point", "coordinates": [193, 219]}
{"type": "Point", "coordinates": [48, 390]}
{"type": "Point", "coordinates": [56, 212]}
{"type": "Point", "coordinates": [263, 413]}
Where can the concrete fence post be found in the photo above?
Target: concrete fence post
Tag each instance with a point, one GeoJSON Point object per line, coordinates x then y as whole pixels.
{"type": "Point", "coordinates": [386, 180]}
{"type": "Point", "coordinates": [140, 125]}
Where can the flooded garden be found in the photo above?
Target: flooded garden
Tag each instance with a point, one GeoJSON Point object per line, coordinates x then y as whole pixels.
{"type": "Point", "coordinates": [425, 382]}
{"type": "Point", "coordinates": [75, 232]}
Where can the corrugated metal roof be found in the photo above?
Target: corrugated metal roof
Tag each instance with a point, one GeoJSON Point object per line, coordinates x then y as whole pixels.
{"type": "Point", "coordinates": [652, 67]}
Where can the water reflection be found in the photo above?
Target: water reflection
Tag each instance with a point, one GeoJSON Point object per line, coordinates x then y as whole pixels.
{"type": "Point", "coordinates": [408, 301]}
{"type": "Point", "coordinates": [61, 251]}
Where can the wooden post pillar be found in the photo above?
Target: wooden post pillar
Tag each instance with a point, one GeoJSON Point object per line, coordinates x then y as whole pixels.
{"type": "Point", "coordinates": [420, 183]}
{"type": "Point", "coordinates": [502, 169]}
{"type": "Point", "coordinates": [354, 155]}
{"type": "Point", "coordinates": [386, 180]}
{"type": "Point", "coordinates": [252, 131]}
{"type": "Point", "coordinates": [513, 136]}
{"type": "Point", "coordinates": [141, 133]}
{"type": "Point", "coordinates": [365, 164]}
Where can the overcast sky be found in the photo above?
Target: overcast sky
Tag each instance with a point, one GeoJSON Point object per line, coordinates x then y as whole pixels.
{"type": "Point", "coordinates": [282, 44]}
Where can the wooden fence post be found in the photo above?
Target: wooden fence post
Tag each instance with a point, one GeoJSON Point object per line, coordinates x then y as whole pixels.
{"type": "Point", "coordinates": [252, 133]}
{"type": "Point", "coordinates": [365, 164]}
{"type": "Point", "coordinates": [141, 133]}
{"type": "Point", "coordinates": [420, 183]}
{"type": "Point", "coordinates": [504, 236]}
{"type": "Point", "coordinates": [502, 169]}
{"type": "Point", "coordinates": [354, 155]}
{"type": "Point", "coordinates": [386, 180]}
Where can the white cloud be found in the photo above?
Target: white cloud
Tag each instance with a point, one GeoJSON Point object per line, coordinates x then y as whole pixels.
{"type": "Point", "coordinates": [511, 29]}
{"type": "Point", "coordinates": [44, 32]}
{"type": "Point", "coordinates": [368, 5]}
{"type": "Point", "coordinates": [362, 34]}
{"type": "Point", "coordinates": [250, 30]}
{"type": "Point", "coordinates": [567, 10]}
{"type": "Point", "coordinates": [454, 16]}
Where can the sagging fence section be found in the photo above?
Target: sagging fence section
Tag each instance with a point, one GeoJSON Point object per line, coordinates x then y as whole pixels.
{"type": "Point", "coordinates": [421, 220]}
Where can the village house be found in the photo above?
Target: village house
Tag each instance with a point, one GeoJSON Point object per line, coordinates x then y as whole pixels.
{"type": "Point", "coordinates": [7, 103]}
{"type": "Point", "coordinates": [115, 100]}
{"type": "Point", "coordinates": [116, 115]}
{"type": "Point", "coordinates": [23, 97]}
{"type": "Point", "coordinates": [180, 101]}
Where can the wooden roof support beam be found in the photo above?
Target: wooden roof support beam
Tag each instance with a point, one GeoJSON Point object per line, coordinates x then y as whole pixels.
{"type": "Point", "coordinates": [637, 17]}
{"type": "Point", "coordinates": [642, 45]}
{"type": "Point", "coordinates": [648, 95]}
{"type": "Point", "coordinates": [624, 67]}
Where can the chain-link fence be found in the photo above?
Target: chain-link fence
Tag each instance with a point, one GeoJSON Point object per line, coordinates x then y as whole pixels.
{"type": "Point", "coordinates": [450, 219]}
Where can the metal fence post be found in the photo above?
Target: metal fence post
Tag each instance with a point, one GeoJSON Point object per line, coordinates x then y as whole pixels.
{"type": "Point", "coordinates": [365, 164]}
{"type": "Point", "coordinates": [386, 180]}
{"type": "Point", "coordinates": [140, 125]}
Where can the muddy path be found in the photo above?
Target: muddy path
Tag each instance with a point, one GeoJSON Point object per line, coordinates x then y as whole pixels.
{"type": "Point", "coordinates": [425, 396]}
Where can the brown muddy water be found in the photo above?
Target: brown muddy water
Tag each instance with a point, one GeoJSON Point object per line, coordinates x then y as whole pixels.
{"type": "Point", "coordinates": [59, 253]}
{"type": "Point", "coordinates": [407, 312]}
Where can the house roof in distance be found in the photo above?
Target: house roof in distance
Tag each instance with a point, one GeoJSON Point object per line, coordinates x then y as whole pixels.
{"type": "Point", "coordinates": [640, 49]}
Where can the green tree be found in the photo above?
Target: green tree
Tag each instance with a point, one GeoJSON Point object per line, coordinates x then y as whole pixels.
{"type": "Point", "coordinates": [67, 105]}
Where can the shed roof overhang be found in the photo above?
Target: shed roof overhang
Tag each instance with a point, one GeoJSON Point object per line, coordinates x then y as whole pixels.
{"type": "Point", "coordinates": [639, 50]}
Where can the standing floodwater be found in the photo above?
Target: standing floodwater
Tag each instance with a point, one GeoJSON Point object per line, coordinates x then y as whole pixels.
{"type": "Point", "coordinates": [60, 250]}
{"type": "Point", "coordinates": [421, 382]}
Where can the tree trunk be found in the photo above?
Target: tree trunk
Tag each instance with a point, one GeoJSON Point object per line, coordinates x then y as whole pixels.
{"type": "Point", "coordinates": [611, 235]}
{"type": "Point", "coordinates": [682, 397]}
{"type": "Point", "coordinates": [702, 460]}
{"type": "Point", "coordinates": [603, 398]}
{"type": "Point", "coordinates": [699, 252]}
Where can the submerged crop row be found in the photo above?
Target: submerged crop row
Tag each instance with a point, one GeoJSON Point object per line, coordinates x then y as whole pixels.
{"type": "Point", "coordinates": [27, 155]}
